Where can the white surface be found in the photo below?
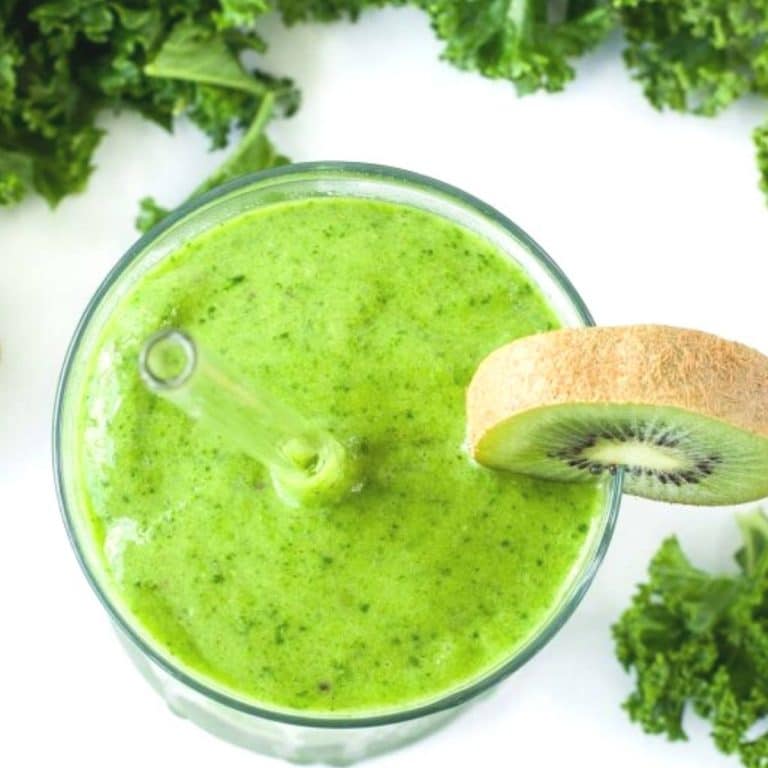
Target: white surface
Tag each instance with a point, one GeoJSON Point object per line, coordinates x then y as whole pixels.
{"type": "Point", "coordinates": [654, 217]}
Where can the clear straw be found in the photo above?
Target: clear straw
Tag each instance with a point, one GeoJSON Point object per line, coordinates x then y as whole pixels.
{"type": "Point", "coordinates": [307, 464]}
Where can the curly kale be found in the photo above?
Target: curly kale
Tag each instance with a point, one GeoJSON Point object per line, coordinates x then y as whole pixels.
{"type": "Point", "coordinates": [689, 55]}
{"type": "Point", "coordinates": [699, 55]}
{"type": "Point", "coordinates": [760, 137]}
{"type": "Point", "coordinates": [62, 61]}
{"type": "Point", "coordinates": [693, 639]}
{"type": "Point", "coordinates": [255, 152]}
{"type": "Point", "coordinates": [528, 42]}
{"type": "Point", "coordinates": [294, 11]}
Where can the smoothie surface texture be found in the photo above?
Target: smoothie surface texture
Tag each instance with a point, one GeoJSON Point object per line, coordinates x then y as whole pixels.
{"type": "Point", "coordinates": [372, 318]}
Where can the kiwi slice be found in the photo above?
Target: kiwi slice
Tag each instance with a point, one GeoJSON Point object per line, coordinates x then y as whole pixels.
{"type": "Point", "coordinates": [683, 413]}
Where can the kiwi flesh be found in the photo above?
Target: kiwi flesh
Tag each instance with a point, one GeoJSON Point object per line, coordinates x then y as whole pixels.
{"type": "Point", "coordinates": [683, 414]}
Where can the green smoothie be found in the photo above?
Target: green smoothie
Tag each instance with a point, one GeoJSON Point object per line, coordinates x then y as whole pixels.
{"type": "Point", "coordinates": [371, 317]}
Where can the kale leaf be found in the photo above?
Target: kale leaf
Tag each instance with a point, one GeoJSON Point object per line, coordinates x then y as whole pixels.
{"type": "Point", "coordinates": [760, 137]}
{"type": "Point", "coordinates": [255, 152]}
{"type": "Point", "coordinates": [294, 11]}
{"type": "Point", "coordinates": [698, 55]}
{"type": "Point", "coordinates": [529, 42]}
{"type": "Point", "coordinates": [699, 640]}
{"type": "Point", "coordinates": [63, 61]}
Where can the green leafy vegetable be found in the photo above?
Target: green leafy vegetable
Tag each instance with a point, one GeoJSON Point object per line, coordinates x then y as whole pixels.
{"type": "Point", "coordinates": [698, 55]}
{"type": "Point", "coordinates": [150, 213]}
{"type": "Point", "coordinates": [294, 11]}
{"type": "Point", "coordinates": [64, 61]}
{"type": "Point", "coordinates": [699, 640]}
{"type": "Point", "coordinates": [689, 55]}
{"type": "Point", "coordinates": [254, 153]}
{"type": "Point", "coordinates": [200, 55]}
{"type": "Point", "coordinates": [527, 42]}
{"type": "Point", "coordinates": [761, 143]}
{"type": "Point", "coordinates": [16, 176]}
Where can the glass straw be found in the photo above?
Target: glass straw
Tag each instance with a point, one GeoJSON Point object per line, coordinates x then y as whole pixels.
{"type": "Point", "coordinates": [307, 464]}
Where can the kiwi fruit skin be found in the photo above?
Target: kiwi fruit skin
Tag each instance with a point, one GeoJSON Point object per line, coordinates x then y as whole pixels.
{"type": "Point", "coordinates": [654, 366]}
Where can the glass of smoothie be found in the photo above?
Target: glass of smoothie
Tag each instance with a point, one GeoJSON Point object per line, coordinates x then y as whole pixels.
{"type": "Point", "coordinates": [364, 298]}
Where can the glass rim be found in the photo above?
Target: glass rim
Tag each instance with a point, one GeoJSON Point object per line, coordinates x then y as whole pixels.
{"type": "Point", "coordinates": [547, 630]}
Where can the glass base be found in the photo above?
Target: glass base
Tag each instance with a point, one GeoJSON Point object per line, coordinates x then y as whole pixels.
{"type": "Point", "coordinates": [296, 744]}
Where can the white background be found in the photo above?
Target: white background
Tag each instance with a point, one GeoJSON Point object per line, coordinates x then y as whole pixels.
{"type": "Point", "coordinates": [655, 218]}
